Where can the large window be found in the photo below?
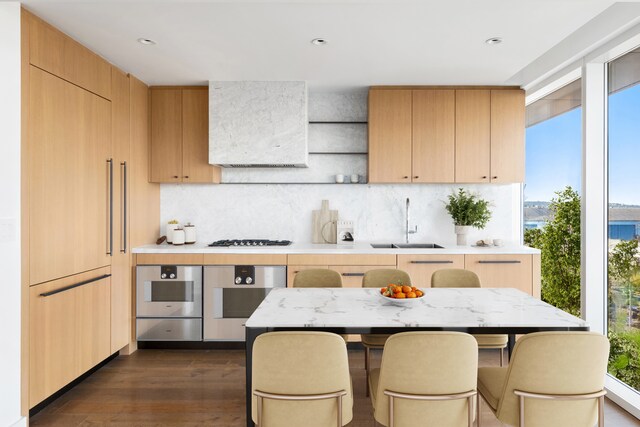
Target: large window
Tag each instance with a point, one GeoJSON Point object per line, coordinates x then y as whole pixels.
{"type": "Point", "coordinates": [624, 219]}
{"type": "Point", "coordinates": [552, 192]}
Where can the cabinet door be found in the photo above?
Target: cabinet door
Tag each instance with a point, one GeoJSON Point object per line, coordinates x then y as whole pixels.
{"type": "Point", "coordinates": [421, 267]}
{"type": "Point", "coordinates": [51, 50]}
{"type": "Point", "coordinates": [352, 274]}
{"type": "Point", "coordinates": [121, 262]}
{"type": "Point", "coordinates": [292, 270]}
{"type": "Point", "coordinates": [70, 142]}
{"type": "Point", "coordinates": [68, 331]}
{"type": "Point", "coordinates": [473, 135]}
{"type": "Point", "coordinates": [502, 271]}
{"type": "Point", "coordinates": [389, 136]}
{"type": "Point", "coordinates": [195, 138]}
{"type": "Point", "coordinates": [433, 150]}
{"type": "Point", "coordinates": [166, 135]}
{"type": "Point", "coordinates": [507, 136]}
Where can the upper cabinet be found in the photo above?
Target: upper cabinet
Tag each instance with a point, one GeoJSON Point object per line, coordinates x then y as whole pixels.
{"type": "Point", "coordinates": [390, 136]}
{"type": "Point", "coordinates": [180, 136]}
{"type": "Point", "coordinates": [445, 135]}
{"type": "Point", "coordinates": [53, 51]}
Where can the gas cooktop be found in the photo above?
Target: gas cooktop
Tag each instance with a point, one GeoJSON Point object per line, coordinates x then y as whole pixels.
{"type": "Point", "coordinates": [250, 243]}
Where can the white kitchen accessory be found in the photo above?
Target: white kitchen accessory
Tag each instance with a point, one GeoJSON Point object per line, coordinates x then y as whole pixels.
{"type": "Point", "coordinates": [171, 226]}
{"type": "Point", "coordinates": [339, 179]}
{"type": "Point", "coordinates": [498, 242]}
{"type": "Point", "coordinates": [189, 234]}
{"type": "Point", "coordinates": [355, 178]}
{"type": "Point", "coordinates": [345, 233]}
{"type": "Point", "coordinates": [178, 236]}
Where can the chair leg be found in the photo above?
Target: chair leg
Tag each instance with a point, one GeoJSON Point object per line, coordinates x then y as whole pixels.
{"type": "Point", "coordinates": [391, 414]}
{"type": "Point", "coordinates": [601, 411]}
{"type": "Point", "coordinates": [367, 361]}
{"type": "Point", "coordinates": [521, 412]}
{"type": "Point", "coordinates": [478, 399]}
{"type": "Point", "coordinates": [470, 411]}
{"type": "Point", "coordinates": [502, 357]}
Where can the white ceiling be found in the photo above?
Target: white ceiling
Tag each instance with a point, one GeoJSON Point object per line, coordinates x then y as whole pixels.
{"type": "Point", "coordinates": [370, 42]}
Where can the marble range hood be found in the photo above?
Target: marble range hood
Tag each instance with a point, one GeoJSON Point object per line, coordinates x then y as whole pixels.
{"type": "Point", "coordinates": [258, 124]}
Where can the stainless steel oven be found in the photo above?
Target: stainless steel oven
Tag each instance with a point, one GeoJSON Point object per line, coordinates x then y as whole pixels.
{"type": "Point", "coordinates": [169, 303]}
{"type": "Point", "coordinates": [232, 293]}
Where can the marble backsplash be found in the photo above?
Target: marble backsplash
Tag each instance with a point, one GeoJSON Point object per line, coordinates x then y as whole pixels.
{"type": "Point", "coordinates": [283, 211]}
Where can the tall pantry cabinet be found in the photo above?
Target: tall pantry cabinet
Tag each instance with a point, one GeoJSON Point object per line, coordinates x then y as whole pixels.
{"type": "Point", "coordinates": [78, 159]}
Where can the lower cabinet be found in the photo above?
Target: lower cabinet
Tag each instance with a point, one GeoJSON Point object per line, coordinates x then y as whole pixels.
{"type": "Point", "coordinates": [421, 267]}
{"type": "Point", "coordinates": [69, 330]}
{"type": "Point", "coordinates": [503, 271]}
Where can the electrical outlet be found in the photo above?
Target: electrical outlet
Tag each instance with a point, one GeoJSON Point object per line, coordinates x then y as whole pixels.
{"type": "Point", "coordinates": [8, 230]}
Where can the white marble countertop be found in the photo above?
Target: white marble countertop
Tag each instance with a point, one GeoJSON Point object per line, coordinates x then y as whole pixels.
{"type": "Point", "coordinates": [311, 248]}
{"type": "Point", "coordinates": [446, 308]}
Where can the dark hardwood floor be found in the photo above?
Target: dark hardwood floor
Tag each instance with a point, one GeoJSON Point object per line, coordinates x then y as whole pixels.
{"type": "Point", "coordinates": [197, 388]}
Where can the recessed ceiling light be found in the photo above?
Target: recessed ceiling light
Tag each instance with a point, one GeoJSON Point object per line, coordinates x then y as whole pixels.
{"type": "Point", "coordinates": [494, 40]}
{"type": "Point", "coordinates": [320, 41]}
{"type": "Point", "coordinates": [146, 41]}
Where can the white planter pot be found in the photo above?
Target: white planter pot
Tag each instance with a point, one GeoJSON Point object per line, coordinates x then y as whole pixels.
{"type": "Point", "coordinates": [461, 233]}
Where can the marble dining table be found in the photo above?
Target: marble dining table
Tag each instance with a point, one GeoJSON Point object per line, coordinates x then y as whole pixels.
{"type": "Point", "coordinates": [364, 311]}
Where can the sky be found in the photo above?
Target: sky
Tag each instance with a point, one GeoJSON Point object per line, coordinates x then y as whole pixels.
{"type": "Point", "coordinates": [553, 152]}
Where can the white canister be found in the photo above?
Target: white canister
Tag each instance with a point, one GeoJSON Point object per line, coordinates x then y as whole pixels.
{"type": "Point", "coordinates": [178, 236]}
{"type": "Point", "coordinates": [189, 234]}
{"type": "Point", "coordinates": [170, 229]}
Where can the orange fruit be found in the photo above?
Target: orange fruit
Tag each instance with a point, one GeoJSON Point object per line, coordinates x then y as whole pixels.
{"type": "Point", "coordinates": [413, 288]}
{"type": "Point", "coordinates": [400, 295]}
{"type": "Point", "coordinates": [406, 289]}
{"type": "Point", "coordinates": [419, 294]}
{"type": "Point", "coordinates": [397, 289]}
{"type": "Point", "coordinates": [411, 295]}
{"type": "Point", "coordinates": [382, 289]}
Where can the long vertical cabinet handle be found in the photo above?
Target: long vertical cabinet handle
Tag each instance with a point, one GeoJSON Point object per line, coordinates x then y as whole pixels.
{"type": "Point", "coordinates": [123, 167]}
{"type": "Point", "coordinates": [110, 250]}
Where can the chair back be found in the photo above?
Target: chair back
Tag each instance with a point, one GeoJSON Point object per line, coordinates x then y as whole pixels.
{"type": "Point", "coordinates": [555, 363]}
{"type": "Point", "coordinates": [384, 276]}
{"type": "Point", "coordinates": [427, 363]}
{"type": "Point", "coordinates": [454, 278]}
{"type": "Point", "coordinates": [301, 363]}
{"type": "Point", "coordinates": [317, 278]}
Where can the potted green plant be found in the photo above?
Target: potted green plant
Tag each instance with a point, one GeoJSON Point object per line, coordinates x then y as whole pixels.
{"type": "Point", "coordinates": [467, 210]}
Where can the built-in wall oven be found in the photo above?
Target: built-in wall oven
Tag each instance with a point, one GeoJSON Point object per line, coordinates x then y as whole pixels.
{"type": "Point", "coordinates": [232, 293]}
{"type": "Point", "coordinates": [169, 303]}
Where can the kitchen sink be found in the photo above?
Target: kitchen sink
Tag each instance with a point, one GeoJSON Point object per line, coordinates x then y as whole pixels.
{"type": "Point", "coordinates": [406, 246]}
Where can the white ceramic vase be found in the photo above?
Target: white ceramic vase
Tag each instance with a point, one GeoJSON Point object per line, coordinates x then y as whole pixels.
{"type": "Point", "coordinates": [461, 233]}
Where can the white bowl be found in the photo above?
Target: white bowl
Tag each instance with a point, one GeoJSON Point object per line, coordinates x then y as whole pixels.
{"type": "Point", "coordinates": [400, 301]}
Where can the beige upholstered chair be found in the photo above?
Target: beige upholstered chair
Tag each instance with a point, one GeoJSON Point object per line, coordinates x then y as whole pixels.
{"type": "Point", "coordinates": [317, 278]}
{"type": "Point", "coordinates": [301, 379]}
{"type": "Point", "coordinates": [554, 379]}
{"type": "Point", "coordinates": [426, 378]}
{"type": "Point", "coordinates": [458, 278]}
{"type": "Point", "coordinates": [377, 279]}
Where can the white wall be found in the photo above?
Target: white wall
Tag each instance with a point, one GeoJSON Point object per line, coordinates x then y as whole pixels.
{"type": "Point", "coordinates": [283, 211]}
{"type": "Point", "coordinates": [10, 214]}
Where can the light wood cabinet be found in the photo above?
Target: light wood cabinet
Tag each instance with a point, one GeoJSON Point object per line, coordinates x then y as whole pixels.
{"type": "Point", "coordinates": [503, 271]}
{"type": "Point", "coordinates": [180, 136]}
{"type": "Point", "coordinates": [421, 267]}
{"type": "Point", "coordinates": [55, 52]}
{"type": "Point", "coordinates": [507, 136]}
{"type": "Point", "coordinates": [121, 260]}
{"type": "Point", "coordinates": [433, 137]}
{"type": "Point", "coordinates": [69, 330]}
{"type": "Point", "coordinates": [446, 134]}
{"type": "Point", "coordinates": [390, 136]}
{"type": "Point", "coordinates": [473, 135]}
{"type": "Point", "coordinates": [69, 146]}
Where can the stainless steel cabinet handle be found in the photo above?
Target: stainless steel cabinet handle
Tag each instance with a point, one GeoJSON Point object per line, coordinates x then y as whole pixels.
{"type": "Point", "coordinates": [353, 274]}
{"type": "Point", "coordinates": [75, 285]}
{"type": "Point", "coordinates": [432, 262]}
{"type": "Point", "coordinates": [511, 261]}
{"type": "Point", "coordinates": [110, 250]}
{"type": "Point", "coordinates": [123, 167]}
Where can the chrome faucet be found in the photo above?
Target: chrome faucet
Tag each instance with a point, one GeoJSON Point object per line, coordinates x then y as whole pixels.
{"type": "Point", "coordinates": [409, 231]}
